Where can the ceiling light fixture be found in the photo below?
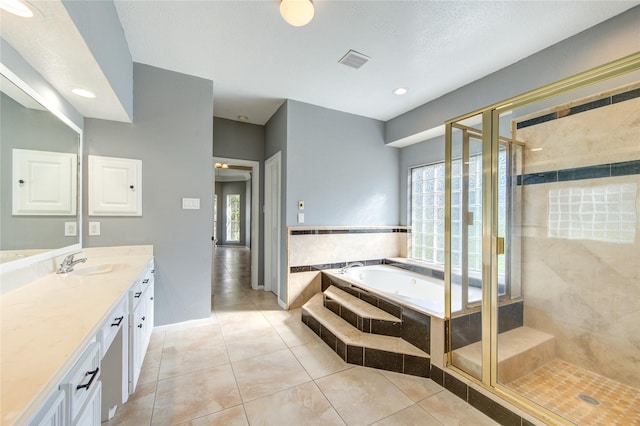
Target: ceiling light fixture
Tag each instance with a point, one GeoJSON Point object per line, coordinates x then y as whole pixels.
{"type": "Point", "coordinates": [297, 12]}
{"type": "Point", "coordinates": [243, 118]}
{"type": "Point", "coordinates": [83, 92]}
{"type": "Point", "coordinates": [400, 91]}
{"type": "Point", "coordinates": [16, 7]}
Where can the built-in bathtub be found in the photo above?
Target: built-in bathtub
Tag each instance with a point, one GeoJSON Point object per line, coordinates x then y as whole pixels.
{"type": "Point", "coordinates": [420, 292]}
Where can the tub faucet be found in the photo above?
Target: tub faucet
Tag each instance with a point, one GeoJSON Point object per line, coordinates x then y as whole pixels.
{"type": "Point", "coordinates": [68, 263]}
{"type": "Point", "coordinates": [345, 269]}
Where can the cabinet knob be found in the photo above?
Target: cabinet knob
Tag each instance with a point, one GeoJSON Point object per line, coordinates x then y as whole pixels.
{"type": "Point", "coordinates": [143, 318]}
{"type": "Point", "coordinates": [130, 186]}
{"type": "Point", "coordinates": [20, 181]}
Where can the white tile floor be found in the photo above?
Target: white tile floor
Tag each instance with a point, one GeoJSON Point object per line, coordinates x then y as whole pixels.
{"type": "Point", "coordinates": [253, 363]}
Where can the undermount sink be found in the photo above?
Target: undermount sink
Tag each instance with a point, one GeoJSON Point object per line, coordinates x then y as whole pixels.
{"type": "Point", "coordinates": [96, 269]}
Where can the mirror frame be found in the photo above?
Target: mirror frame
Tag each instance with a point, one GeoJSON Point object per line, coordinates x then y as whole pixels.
{"type": "Point", "coordinates": [50, 105]}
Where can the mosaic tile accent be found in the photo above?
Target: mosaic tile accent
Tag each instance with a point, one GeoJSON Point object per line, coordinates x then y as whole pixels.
{"type": "Point", "coordinates": [557, 384]}
{"type": "Point", "coordinates": [347, 231]}
{"type": "Point", "coordinates": [577, 109]}
{"type": "Point", "coordinates": [337, 265]}
{"type": "Point", "coordinates": [624, 168]}
{"type": "Point", "coordinates": [600, 213]}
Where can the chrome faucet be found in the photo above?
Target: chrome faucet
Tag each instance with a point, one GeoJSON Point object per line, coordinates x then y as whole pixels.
{"type": "Point", "coordinates": [68, 263]}
{"type": "Point", "coordinates": [345, 269]}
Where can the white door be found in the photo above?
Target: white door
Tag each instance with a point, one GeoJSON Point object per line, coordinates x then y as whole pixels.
{"type": "Point", "coordinates": [272, 224]}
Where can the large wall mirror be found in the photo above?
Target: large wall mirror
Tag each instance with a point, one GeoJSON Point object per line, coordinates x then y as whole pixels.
{"type": "Point", "coordinates": [39, 184]}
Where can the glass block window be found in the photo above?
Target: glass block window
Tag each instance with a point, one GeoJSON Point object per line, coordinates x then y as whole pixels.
{"type": "Point", "coordinates": [233, 217]}
{"type": "Point", "coordinates": [427, 211]}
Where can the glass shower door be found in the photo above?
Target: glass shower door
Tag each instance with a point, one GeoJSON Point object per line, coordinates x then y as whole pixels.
{"type": "Point", "coordinates": [465, 265]}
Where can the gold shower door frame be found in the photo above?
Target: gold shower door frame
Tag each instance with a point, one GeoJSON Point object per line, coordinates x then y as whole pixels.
{"type": "Point", "coordinates": [491, 243]}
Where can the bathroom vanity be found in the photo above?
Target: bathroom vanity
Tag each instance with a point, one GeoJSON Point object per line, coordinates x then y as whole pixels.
{"type": "Point", "coordinates": [73, 344]}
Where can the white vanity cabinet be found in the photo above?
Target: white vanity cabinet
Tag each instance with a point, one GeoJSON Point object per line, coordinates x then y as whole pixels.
{"type": "Point", "coordinates": [140, 322]}
{"type": "Point", "coordinates": [53, 411]}
{"type": "Point", "coordinates": [83, 389]}
{"type": "Point", "coordinates": [96, 374]}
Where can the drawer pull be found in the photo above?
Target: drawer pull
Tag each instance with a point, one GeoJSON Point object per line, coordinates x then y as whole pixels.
{"type": "Point", "coordinates": [140, 325]}
{"type": "Point", "coordinates": [153, 271]}
{"type": "Point", "coordinates": [143, 318]}
{"type": "Point", "coordinates": [138, 294]}
{"type": "Point", "coordinates": [145, 281]}
{"type": "Point", "coordinates": [93, 374]}
{"type": "Point", "coordinates": [151, 298]}
{"type": "Point", "coordinates": [117, 321]}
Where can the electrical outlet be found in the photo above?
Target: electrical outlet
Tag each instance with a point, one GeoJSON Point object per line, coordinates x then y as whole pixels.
{"type": "Point", "coordinates": [94, 228]}
{"type": "Point", "coordinates": [70, 229]}
{"type": "Point", "coordinates": [300, 205]}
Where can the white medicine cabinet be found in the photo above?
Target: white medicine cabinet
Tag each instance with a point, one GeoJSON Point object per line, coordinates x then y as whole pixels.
{"type": "Point", "coordinates": [115, 186]}
{"type": "Point", "coordinates": [44, 183]}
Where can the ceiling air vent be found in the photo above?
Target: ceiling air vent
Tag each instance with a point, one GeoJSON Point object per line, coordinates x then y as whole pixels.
{"type": "Point", "coordinates": [354, 59]}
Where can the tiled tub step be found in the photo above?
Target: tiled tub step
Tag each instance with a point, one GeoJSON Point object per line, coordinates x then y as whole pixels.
{"type": "Point", "coordinates": [520, 351]}
{"type": "Point", "coordinates": [360, 314]}
{"type": "Point", "coordinates": [357, 347]}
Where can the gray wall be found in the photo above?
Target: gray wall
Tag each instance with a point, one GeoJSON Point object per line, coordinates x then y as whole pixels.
{"type": "Point", "coordinates": [172, 136]}
{"type": "Point", "coordinates": [610, 40]}
{"type": "Point", "coordinates": [339, 165]}
{"type": "Point", "coordinates": [99, 24]}
{"type": "Point", "coordinates": [34, 129]}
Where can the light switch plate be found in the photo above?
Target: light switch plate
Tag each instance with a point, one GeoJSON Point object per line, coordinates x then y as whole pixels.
{"type": "Point", "coordinates": [191, 203]}
{"type": "Point", "coordinates": [70, 229]}
{"type": "Point", "coordinates": [300, 217]}
{"type": "Point", "coordinates": [94, 228]}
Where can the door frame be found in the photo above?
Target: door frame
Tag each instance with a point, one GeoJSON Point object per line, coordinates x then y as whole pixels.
{"type": "Point", "coordinates": [254, 236]}
{"type": "Point", "coordinates": [272, 257]}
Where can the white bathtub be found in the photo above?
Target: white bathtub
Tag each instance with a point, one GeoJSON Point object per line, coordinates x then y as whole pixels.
{"type": "Point", "coordinates": [421, 292]}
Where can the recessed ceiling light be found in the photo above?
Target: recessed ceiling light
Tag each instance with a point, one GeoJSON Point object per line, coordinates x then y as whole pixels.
{"type": "Point", "coordinates": [83, 92]}
{"type": "Point", "coordinates": [16, 7]}
{"type": "Point", "coordinates": [243, 118]}
{"type": "Point", "coordinates": [400, 91]}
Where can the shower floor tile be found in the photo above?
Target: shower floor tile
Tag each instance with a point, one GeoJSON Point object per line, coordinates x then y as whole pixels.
{"type": "Point", "coordinates": [557, 384]}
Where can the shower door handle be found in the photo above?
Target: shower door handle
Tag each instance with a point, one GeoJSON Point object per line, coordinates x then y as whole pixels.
{"type": "Point", "coordinates": [499, 246]}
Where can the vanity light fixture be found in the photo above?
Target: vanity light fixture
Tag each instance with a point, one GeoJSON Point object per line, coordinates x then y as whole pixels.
{"type": "Point", "coordinates": [297, 12]}
{"type": "Point", "coordinates": [16, 7]}
{"type": "Point", "coordinates": [221, 166]}
{"type": "Point", "coordinates": [400, 91]}
{"type": "Point", "coordinates": [83, 93]}
{"type": "Point", "coordinates": [535, 149]}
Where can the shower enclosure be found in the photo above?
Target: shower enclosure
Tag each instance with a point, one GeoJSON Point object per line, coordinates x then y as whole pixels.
{"type": "Point", "coordinates": [543, 247]}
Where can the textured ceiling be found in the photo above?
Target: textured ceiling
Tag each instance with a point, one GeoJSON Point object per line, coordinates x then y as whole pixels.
{"type": "Point", "coordinates": [256, 60]}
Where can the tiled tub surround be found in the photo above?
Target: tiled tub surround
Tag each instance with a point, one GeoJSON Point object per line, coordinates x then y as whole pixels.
{"type": "Point", "coordinates": [351, 332]}
{"type": "Point", "coordinates": [578, 284]}
{"type": "Point", "coordinates": [308, 247]}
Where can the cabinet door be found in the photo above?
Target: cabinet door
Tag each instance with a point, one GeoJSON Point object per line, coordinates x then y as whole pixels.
{"type": "Point", "coordinates": [52, 412]}
{"type": "Point", "coordinates": [44, 183]}
{"type": "Point", "coordinates": [90, 413]}
{"type": "Point", "coordinates": [136, 345]}
{"type": "Point", "coordinates": [115, 186]}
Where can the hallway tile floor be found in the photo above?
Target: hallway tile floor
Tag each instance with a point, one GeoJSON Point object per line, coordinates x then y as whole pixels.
{"type": "Point", "coordinates": [252, 363]}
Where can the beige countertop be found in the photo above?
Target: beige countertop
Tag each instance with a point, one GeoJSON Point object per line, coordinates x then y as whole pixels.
{"type": "Point", "coordinates": [47, 323]}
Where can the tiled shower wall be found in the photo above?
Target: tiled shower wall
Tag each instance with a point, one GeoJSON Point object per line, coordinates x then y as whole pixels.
{"type": "Point", "coordinates": [580, 239]}
{"type": "Point", "coordinates": [311, 249]}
